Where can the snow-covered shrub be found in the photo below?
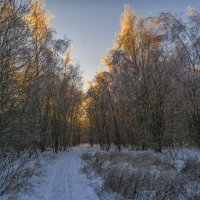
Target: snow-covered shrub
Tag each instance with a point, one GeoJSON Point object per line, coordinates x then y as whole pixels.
{"type": "Point", "coordinates": [192, 167]}
{"type": "Point", "coordinates": [146, 176]}
{"type": "Point", "coordinates": [86, 156]}
{"type": "Point", "coordinates": [13, 171]}
{"type": "Point", "coordinates": [143, 184]}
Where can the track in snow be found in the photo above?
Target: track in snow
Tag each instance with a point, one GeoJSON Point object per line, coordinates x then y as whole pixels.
{"type": "Point", "coordinates": [66, 181]}
{"type": "Point", "coordinates": [63, 180]}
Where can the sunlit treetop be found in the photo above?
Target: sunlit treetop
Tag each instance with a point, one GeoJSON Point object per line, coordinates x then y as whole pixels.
{"type": "Point", "coordinates": [191, 11]}
{"type": "Point", "coordinates": [127, 33]}
{"type": "Point", "coordinates": [125, 38]}
{"type": "Point", "coordinates": [136, 37]}
{"type": "Point", "coordinates": [100, 72]}
{"type": "Point", "coordinates": [127, 21]}
{"type": "Point", "coordinates": [68, 58]}
{"type": "Point", "coordinates": [89, 85]}
{"type": "Point", "coordinates": [39, 20]}
{"type": "Point", "coordinates": [107, 62]}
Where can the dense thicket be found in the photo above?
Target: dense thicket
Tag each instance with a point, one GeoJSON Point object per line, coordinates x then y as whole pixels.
{"type": "Point", "coordinates": [150, 95]}
{"type": "Point", "coordinates": [40, 88]}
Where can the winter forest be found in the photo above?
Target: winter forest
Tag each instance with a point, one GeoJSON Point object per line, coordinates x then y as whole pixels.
{"type": "Point", "coordinates": [134, 133]}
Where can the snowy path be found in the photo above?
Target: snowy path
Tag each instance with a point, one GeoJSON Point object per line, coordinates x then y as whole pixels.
{"type": "Point", "coordinates": [64, 180]}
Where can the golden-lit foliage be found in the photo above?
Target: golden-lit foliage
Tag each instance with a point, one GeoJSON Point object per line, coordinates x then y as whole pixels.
{"type": "Point", "coordinates": [191, 11]}
{"type": "Point", "coordinates": [39, 20]}
{"type": "Point", "coordinates": [136, 31]}
{"type": "Point", "coordinates": [100, 73]}
{"type": "Point", "coordinates": [68, 56]}
{"type": "Point", "coordinates": [6, 10]}
{"type": "Point", "coordinates": [83, 112]}
{"type": "Point", "coordinates": [100, 82]}
{"type": "Point", "coordinates": [136, 37]}
{"type": "Point", "coordinates": [107, 62]}
{"type": "Point", "coordinates": [152, 22]}
{"type": "Point", "coordinates": [126, 39]}
{"type": "Point", "coordinates": [89, 85]}
{"type": "Point", "coordinates": [127, 34]}
{"type": "Point", "coordinates": [86, 102]}
{"type": "Point", "coordinates": [10, 63]}
{"type": "Point", "coordinates": [127, 20]}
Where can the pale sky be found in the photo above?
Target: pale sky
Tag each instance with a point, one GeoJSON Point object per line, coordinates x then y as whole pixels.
{"type": "Point", "coordinates": [92, 24]}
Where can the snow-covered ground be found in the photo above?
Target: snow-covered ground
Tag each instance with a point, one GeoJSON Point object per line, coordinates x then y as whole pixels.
{"type": "Point", "coordinates": [173, 174]}
{"type": "Point", "coordinates": [61, 179]}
